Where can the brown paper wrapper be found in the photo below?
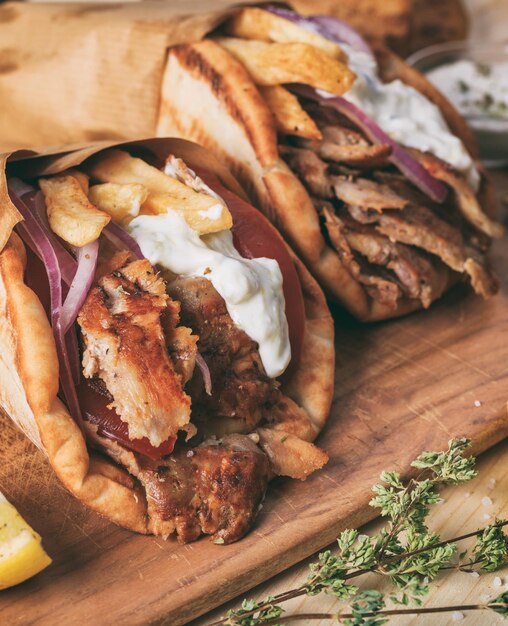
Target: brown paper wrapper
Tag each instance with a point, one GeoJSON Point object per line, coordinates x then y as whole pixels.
{"type": "Point", "coordinates": [28, 164]}
{"type": "Point", "coordinates": [76, 73]}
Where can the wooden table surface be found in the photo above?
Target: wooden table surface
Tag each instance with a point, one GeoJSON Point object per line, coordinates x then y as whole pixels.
{"type": "Point", "coordinates": [461, 511]}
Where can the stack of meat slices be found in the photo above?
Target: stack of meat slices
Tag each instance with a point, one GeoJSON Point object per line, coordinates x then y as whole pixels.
{"type": "Point", "coordinates": [394, 240]}
{"type": "Point", "coordinates": [140, 339]}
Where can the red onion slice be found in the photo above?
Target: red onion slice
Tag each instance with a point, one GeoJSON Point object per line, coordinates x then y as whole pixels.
{"type": "Point", "coordinates": [81, 283]}
{"type": "Point", "coordinates": [31, 228]}
{"type": "Point", "coordinates": [329, 27]}
{"type": "Point", "coordinates": [121, 239]}
{"type": "Point", "coordinates": [71, 340]}
{"type": "Point", "coordinates": [415, 172]}
{"type": "Point", "coordinates": [207, 378]}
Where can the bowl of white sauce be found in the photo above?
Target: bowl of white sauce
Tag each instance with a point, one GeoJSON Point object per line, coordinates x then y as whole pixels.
{"type": "Point", "coordinates": [475, 79]}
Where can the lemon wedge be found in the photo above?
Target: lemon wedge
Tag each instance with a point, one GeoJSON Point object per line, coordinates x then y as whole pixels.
{"type": "Point", "coordinates": [21, 553]}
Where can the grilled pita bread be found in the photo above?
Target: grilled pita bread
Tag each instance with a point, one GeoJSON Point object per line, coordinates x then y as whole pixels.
{"type": "Point", "coordinates": [208, 97]}
{"type": "Point", "coordinates": [28, 393]}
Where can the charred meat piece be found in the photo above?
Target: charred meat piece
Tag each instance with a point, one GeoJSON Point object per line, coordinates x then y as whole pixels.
{"type": "Point", "coordinates": [382, 288]}
{"type": "Point", "coordinates": [367, 194]}
{"type": "Point", "coordinates": [289, 455]}
{"type": "Point", "coordinates": [125, 346]}
{"type": "Point", "coordinates": [465, 197]}
{"type": "Point", "coordinates": [344, 145]}
{"type": "Point", "coordinates": [311, 170]}
{"type": "Point", "coordinates": [214, 489]}
{"type": "Point", "coordinates": [181, 343]}
{"type": "Point", "coordinates": [380, 284]}
{"type": "Point", "coordinates": [418, 274]}
{"type": "Point", "coordinates": [241, 390]}
{"type": "Point", "coordinates": [419, 226]}
{"type": "Point", "coordinates": [324, 115]}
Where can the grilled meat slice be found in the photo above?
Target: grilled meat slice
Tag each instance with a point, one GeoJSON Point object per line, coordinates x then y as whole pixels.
{"type": "Point", "coordinates": [382, 288]}
{"type": "Point", "coordinates": [466, 199]}
{"type": "Point", "coordinates": [240, 387]}
{"type": "Point", "coordinates": [344, 145]}
{"type": "Point", "coordinates": [380, 284]}
{"type": "Point", "coordinates": [288, 417]}
{"type": "Point", "coordinates": [419, 226]}
{"type": "Point", "coordinates": [214, 489]}
{"type": "Point", "coordinates": [418, 274]}
{"type": "Point", "coordinates": [125, 346]}
{"type": "Point", "coordinates": [181, 343]}
{"type": "Point", "coordinates": [286, 437]}
{"type": "Point", "coordinates": [367, 194]}
{"type": "Point", "coordinates": [312, 171]}
{"type": "Point", "coordinates": [289, 455]}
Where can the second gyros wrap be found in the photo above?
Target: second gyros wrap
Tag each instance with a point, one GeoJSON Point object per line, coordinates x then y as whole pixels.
{"type": "Point", "coordinates": [366, 168]}
{"type": "Point", "coordinates": [158, 340]}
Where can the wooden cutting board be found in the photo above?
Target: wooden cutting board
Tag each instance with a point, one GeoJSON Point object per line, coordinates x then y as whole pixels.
{"type": "Point", "coordinates": [402, 387]}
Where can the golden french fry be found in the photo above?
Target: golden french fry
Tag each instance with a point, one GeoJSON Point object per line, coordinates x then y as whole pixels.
{"type": "Point", "coordinates": [256, 23]}
{"type": "Point", "coordinates": [289, 115]}
{"type": "Point", "coordinates": [70, 214]}
{"type": "Point", "coordinates": [165, 192]}
{"type": "Point", "coordinates": [81, 177]}
{"type": "Point", "coordinates": [211, 218]}
{"type": "Point", "coordinates": [279, 63]}
{"type": "Point", "coordinates": [122, 202]}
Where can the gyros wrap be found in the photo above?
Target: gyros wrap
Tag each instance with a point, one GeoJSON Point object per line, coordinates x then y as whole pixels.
{"type": "Point", "coordinates": [365, 167]}
{"type": "Point", "coordinates": [154, 406]}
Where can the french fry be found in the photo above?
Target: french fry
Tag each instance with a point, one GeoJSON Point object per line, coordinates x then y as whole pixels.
{"type": "Point", "coordinates": [280, 63]}
{"type": "Point", "coordinates": [212, 219]}
{"type": "Point", "coordinates": [81, 177]}
{"type": "Point", "coordinates": [122, 202]}
{"type": "Point", "coordinates": [70, 214]}
{"type": "Point", "coordinates": [201, 211]}
{"type": "Point", "coordinates": [290, 117]}
{"type": "Point", "coordinates": [256, 23]}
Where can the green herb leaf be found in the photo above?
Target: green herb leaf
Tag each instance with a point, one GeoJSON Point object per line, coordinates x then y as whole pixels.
{"type": "Point", "coordinates": [491, 548]}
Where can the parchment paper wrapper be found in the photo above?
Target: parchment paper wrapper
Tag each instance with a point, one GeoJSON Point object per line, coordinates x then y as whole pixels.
{"type": "Point", "coordinates": [73, 73]}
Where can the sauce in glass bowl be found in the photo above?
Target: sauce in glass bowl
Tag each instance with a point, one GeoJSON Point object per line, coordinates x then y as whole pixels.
{"type": "Point", "coordinates": [475, 79]}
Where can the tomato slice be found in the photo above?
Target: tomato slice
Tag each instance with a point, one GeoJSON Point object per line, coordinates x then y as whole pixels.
{"type": "Point", "coordinates": [94, 401]}
{"type": "Point", "coordinates": [254, 236]}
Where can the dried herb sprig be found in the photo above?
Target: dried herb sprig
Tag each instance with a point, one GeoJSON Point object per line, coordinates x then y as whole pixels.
{"type": "Point", "coordinates": [369, 611]}
{"type": "Point", "coordinates": [404, 551]}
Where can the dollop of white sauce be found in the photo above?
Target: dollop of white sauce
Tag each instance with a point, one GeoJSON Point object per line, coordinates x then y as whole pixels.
{"type": "Point", "coordinates": [251, 288]}
{"type": "Point", "coordinates": [478, 90]}
{"type": "Point", "coordinates": [212, 213]}
{"type": "Point", "coordinates": [405, 114]}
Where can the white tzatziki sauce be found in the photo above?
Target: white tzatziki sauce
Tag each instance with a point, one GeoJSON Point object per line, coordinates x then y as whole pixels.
{"type": "Point", "coordinates": [251, 288]}
{"type": "Point", "coordinates": [476, 89]}
{"type": "Point", "coordinates": [405, 114]}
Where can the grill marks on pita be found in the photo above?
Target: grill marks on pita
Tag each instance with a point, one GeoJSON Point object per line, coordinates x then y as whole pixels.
{"type": "Point", "coordinates": [391, 238]}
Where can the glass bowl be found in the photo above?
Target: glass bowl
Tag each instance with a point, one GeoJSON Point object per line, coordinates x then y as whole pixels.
{"type": "Point", "coordinates": [491, 131]}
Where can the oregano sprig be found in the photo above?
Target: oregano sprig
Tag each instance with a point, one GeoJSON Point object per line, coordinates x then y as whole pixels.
{"type": "Point", "coordinates": [405, 551]}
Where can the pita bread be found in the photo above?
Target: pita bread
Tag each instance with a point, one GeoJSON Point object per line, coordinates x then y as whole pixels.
{"type": "Point", "coordinates": [208, 97]}
{"type": "Point", "coordinates": [29, 375]}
